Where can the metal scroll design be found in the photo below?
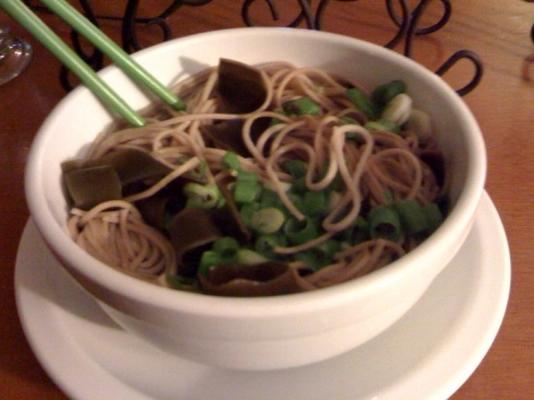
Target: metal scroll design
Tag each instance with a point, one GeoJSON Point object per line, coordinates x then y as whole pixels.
{"type": "Point", "coordinates": [310, 14]}
{"type": "Point", "coordinates": [407, 23]}
{"type": "Point", "coordinates": [131, 22]}
{"type": "Point", "coordinates": [95, 58]}
{"type": "Point", "coordinates": [130, 41]}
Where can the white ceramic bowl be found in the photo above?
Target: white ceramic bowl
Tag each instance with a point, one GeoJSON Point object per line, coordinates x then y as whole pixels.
{"type": "Point", "coordinates": [274, 332]}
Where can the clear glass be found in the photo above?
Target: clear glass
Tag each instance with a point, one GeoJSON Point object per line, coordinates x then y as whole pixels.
{"type": "Point", "coordinates": [15, 55]}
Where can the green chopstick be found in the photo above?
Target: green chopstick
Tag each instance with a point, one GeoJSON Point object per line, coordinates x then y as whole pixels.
{"type": "Point", "coordinates": [119, 57]}
{"type": "Point", "coordinates": [21, 13]}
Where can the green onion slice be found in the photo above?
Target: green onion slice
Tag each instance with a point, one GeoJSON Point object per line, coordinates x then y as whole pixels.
{"type": "Point", "coordinates": [199, 173]}
{"type": "Point", "coordinates": [383, 125]}
{"type": "Point", "coordinates": [312, 259]}
{"type": "Point", "coordinates": [265, 244]}
{"type": "Point", "coordinates": [269, 198]}
{"type": "Point", "coordinates": [208, 259]}
{"type": "Point", "coordinates": [299, 232]}
{"type": "Point", "coordinates": [249, 257]}
{"type": "Point", "coordinates": [246, 191]}
{"type": "Point", "coordinates": [296, 168]}
{"type": "Point", "coordinates": [383, 94]}
{"type": "Point", "coordinates": [412, 216]}
{"type": "Point", "coordinates": [202, 196]}
{"type": "Point", "coordinates": [299, 185]}
{"type": "Point", "coordinates": [302, 106]}
{"type": "Point", "coordinates": [267, 220]}
{"type": "Point", "coordinates": [246, 212]}
{"type": "Point", "coordinates": [181, 283]}
{"type": "Point", "coordinates": [433, 215]}
{"type": "Point", "coordinates": [360, 230]}
{"type": "Point", "coordinates": [231, 161]}
{"type": "Point", "coordinates": [226, 246]}
{"type": "Point", "coordinates": [315, 203]}
{"type": "Point", "coordinates": [329, 248]}
{"type": "Point", "coordinates": [384, 223]}
{"type": "Point", "coordinates": [362, 102]}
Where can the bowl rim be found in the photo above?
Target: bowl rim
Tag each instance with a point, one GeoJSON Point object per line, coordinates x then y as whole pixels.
{"type": "Point", "coordinates": [140, 292]}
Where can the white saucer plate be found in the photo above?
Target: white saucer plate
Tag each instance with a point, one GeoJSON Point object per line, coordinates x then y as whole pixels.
{"type": "Point", "coordinates": [428, 354]}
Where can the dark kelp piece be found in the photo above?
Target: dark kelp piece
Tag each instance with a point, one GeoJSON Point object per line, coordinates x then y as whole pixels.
{"type": "Point", "coordinates": [158, 208]}
{"type": "Point", "coordinates": [90, 182]}
{"type": "Point", "coordinates": [154, 210]}
{"type": "Point", "coordinates": [190, 229]}
{"type": "Point", "coordinates": [265, 279]}
{"type": "Point", "coordinates": [89, 186]}
{"type": "Point", "coordinates": [133, 165]}
{"type": "Point", "coordinates": [228, 135]}
{"type": "Point", "coordinates": [240, 86]}
{"type": "Point", "coordinates": [77, 163]}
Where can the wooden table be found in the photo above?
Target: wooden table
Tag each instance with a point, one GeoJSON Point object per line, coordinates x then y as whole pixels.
{"type": "Point", "coordinates": [503, 105]}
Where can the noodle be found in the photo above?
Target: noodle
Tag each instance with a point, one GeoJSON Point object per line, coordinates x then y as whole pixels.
{"type": "Point", "coordinates": [115, 233]}
{"type": "Point", "coordinates": [370, 169]}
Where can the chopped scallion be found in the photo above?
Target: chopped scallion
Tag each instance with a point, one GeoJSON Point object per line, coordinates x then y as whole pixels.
{"type": "Point", "coordinates": [383, 125]}
{"type": "Point", "coordinates": [433, 216]}
{"type": "Point", "coordinates": [181, 282]}
{"type": "Point", "coordinates": [226, 246]}
{"type": "Point", "coordinates": [383, 94]}
{"type": "Point", "coordinates": [329, 248]}
{"type": "Point", "coordinates": [267, 220]}
{"type": "Point", "coordinates": [398, 110]}
{"type": "Point", "coordinates": [312, 259]}
{"type": "Point", "coordinates": [202, 196]}
{"type": "Point", "coordinates": [199, 173]}
{"type": "Point", "coordinates": [231, 161]}
{"type": "Point", "coordinates": [384, 223]}
{"type": "Point", "coordinates": [246, 191]}
{"type": "Point", "coordinates": [296, 168]}
{"type": "Point", "coordinates": [296, 199]}
{"type": "Point", "coordinates": [246, 212]}
{"type": "Point", "coordinates": [299, 232]}
{"type": "Point", "coordinates": [362, 102]}
{"type": "Point", "coordinates": [249, 257]}
{"type": "Point", "coordinates": [269, 198]}
{"type": "Point", "coordinates": [299, 185]}
{"type": "Point", "coordinates": [420, 124]}
{"type": "Point", "coordinates": [302, 106]}
{"type": "Point", "coordinates": [265, 244]}
{"type": "Point", "coordinates": [208, 259]}
{"type": "Point", "coordinates": [314, 203]}
{"type": "Point", "coordinates": [412, 216]}
{"type": "Point", "coordinates": [360, 230]}
{"type": "Point", "coordinates": [247, 176]}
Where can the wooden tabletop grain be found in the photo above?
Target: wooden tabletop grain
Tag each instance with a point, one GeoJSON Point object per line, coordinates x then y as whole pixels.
{"type": "Point", "coordinates": [497, 30]}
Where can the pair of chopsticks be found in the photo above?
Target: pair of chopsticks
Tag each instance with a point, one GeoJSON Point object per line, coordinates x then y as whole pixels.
{"type": "Point", "coordinates": [22, 14]}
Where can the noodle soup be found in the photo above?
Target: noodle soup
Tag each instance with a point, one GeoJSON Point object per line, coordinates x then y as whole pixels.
{"type": "Point", "coordinates": [276, 179]}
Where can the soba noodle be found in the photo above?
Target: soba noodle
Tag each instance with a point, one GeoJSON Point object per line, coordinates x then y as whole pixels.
{"type": "Point", "coordinates": [358, 168]}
